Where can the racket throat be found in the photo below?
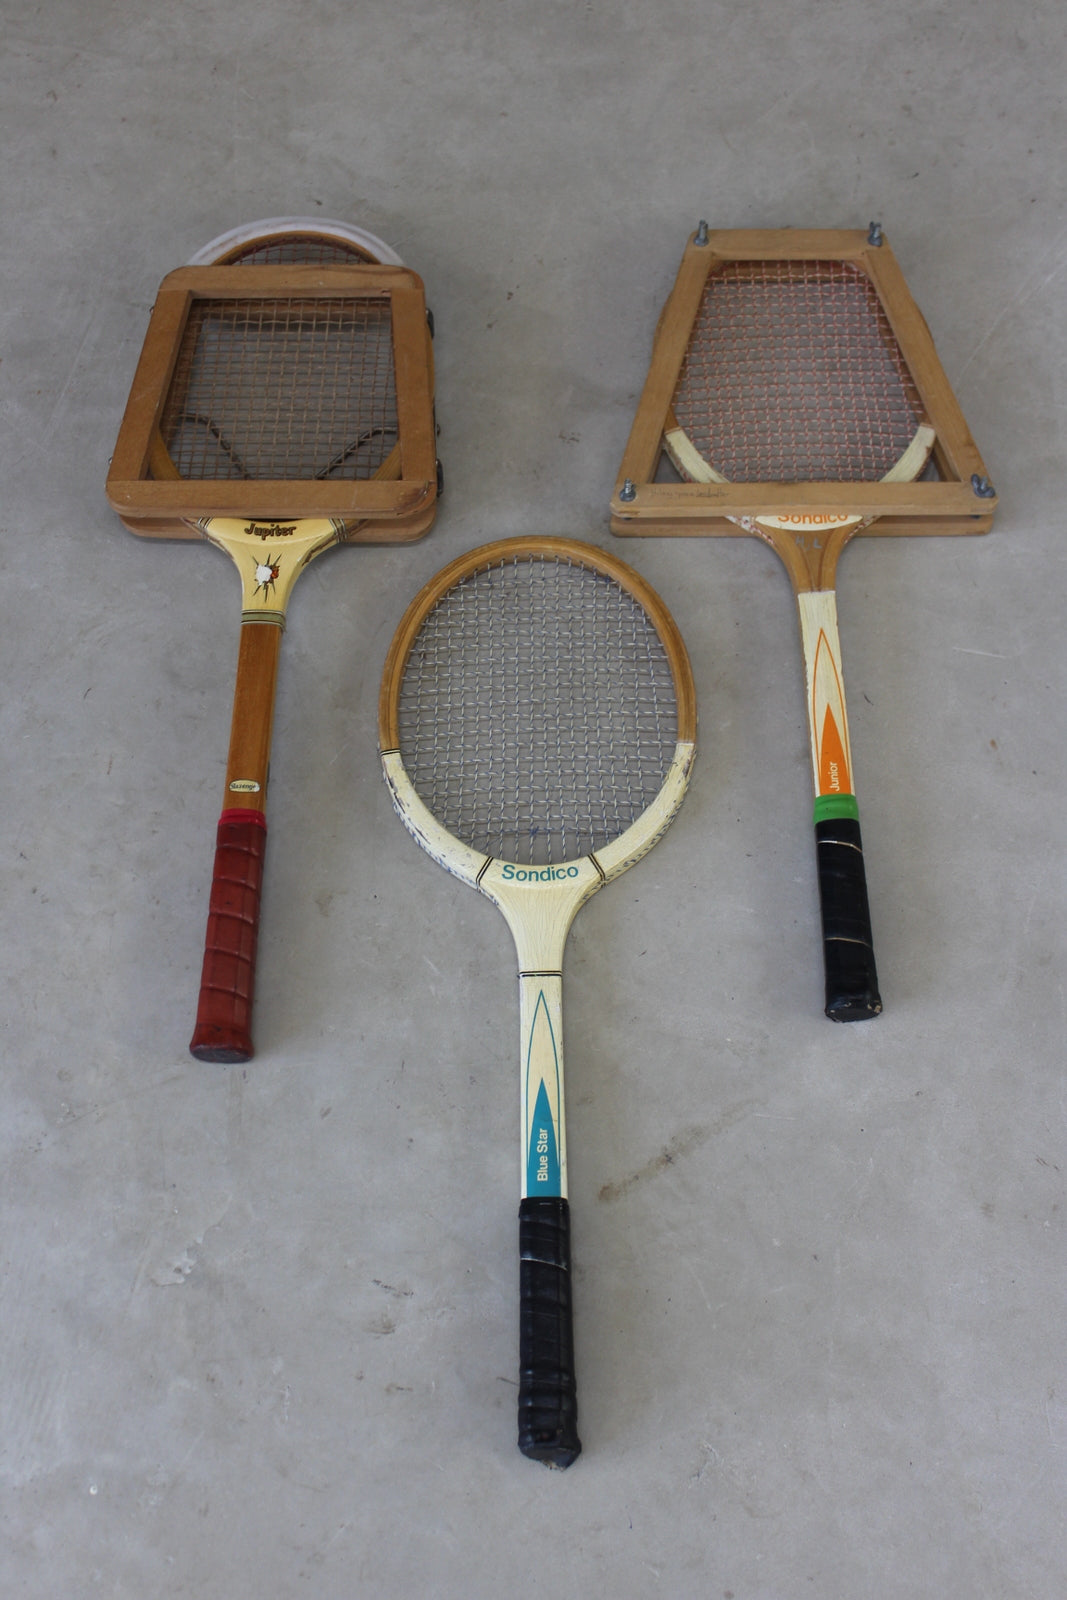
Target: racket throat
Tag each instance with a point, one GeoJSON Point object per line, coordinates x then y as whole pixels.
{"type": "Point", "coordinates": [543, 1151]}
{"type": "Point", "coordinates": [252, 722]}
{"type": "Point", "coordinates": [270, 556]}
{"type": "Point", "coordinates": [539, 904]}
{"type": "Point", "coordinates": [831, 749]}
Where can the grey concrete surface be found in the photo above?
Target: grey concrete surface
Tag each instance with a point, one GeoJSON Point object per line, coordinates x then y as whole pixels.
{"type": "Point", "coordinates": [259, 1324]}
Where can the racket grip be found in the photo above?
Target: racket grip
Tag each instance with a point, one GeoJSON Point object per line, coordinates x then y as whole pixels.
{"type": "Point", "coordinates": [548, 1395]}
{"type": "Point", "coordinates": [851, 977]}
{"type": "Point", "coordinates": [224, 1015]}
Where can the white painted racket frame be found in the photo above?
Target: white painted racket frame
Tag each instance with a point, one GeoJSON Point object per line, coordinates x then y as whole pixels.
{"type": "Point", "coordinates": [539, 914]}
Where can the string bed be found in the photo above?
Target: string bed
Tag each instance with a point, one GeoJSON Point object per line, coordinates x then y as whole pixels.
{"type": "Point", "coordinates": [537, 711]}
{"type": "Point", "coordinates": [793, 375]}
{"type": "Point", "coordinates": [284, 389]}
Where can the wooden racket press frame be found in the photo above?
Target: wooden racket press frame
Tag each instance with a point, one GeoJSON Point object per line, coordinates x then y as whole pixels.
{"type": "Point", "coordinates": [397, 504]}
{"type": "Point", "coordinates": [959, 501]}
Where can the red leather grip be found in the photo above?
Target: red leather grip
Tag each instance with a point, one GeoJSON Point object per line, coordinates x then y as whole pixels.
{"type": "Point", "coordinates": [224, 1016]}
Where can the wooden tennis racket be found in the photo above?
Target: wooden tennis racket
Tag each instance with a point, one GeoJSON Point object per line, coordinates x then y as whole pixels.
{"type": "Point", "coordinates": [282, 405]}
{"type": "Point", "coordinates": [792, 375]}
{"type": "Point", "coordinates": [537, 723]}
{"type": "Point", "coordinates": [787, 373]}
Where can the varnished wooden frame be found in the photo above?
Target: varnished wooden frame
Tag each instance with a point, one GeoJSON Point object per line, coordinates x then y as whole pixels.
{"type": "Point", "coordinates": [380, 509]}
{"type": "Point", "coordinates": [950, 505]}
{"type": "Point", "coordinates": [489, 555]}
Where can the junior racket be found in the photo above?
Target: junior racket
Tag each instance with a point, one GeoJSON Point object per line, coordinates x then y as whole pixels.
{"type": "Point", "coordinates": [792, 374]}
{"type": "Point", "coordinates": [795, 386]}
{"type": "Point", "coordinates": [537, 722]}
{"type": "Point", "coordinates": [293, 378]}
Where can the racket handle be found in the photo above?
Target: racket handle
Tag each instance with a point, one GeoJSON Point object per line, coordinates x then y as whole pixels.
{"type": "Point", "coordinates": [224, 1015]}
{"type": "Point", "coordinates": [851, 977]}
{"type": "Point", "coordinates": [548, 1395]}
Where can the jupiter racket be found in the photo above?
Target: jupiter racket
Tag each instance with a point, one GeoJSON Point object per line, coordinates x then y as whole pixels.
{"type": "Point", "coordinates": [537, 723]}
{"type": "Point", "coordinates": [282, 405]}
{"type": "Point", "coordinates": [795, 408]}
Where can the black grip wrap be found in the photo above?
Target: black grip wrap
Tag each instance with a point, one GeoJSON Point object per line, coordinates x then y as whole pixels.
{"type": "Point", "coordinates": [548, 1396]}
{"type": "Point", "coordinates": [851, 977]}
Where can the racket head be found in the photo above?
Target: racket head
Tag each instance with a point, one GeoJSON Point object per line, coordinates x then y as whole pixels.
{"type": "Point", "coordinates": [537, 710]}
{"type": "Point", "coordinates": [309, 241]}
{"type": "Point", "coordinates": [793, 376]}
{"type": "Point", "coordinates": [295, 379]}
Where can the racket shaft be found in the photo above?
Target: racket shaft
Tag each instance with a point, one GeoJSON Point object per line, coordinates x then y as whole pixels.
{"type": "Point", "coordinates": [848, 949]}
{"type": "Point", "coordinates": [224, 1014]}
{"type": "Point", "coordinates": [548, 1406]}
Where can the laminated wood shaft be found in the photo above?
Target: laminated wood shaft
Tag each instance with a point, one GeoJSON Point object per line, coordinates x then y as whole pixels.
{"type": "Point", "coordinates": [253, 715]}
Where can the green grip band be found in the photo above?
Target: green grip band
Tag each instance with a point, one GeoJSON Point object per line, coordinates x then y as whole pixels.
{"type": "Point", "coordinates": [828, 807]}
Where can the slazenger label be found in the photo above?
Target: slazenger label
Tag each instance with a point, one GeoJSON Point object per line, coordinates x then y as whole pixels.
{"type": "Point", "coordinates": [536, 874]}
{"type": "Point", "coordinates": [244, 786]}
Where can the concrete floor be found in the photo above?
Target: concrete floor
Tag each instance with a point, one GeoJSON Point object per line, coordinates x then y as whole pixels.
{"type": "Point", "coordinates": [259, 1326]}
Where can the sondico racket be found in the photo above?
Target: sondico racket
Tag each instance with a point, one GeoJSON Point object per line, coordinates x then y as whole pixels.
{"type": "Point", "coordinates": [537, 723]}
{"type": "Point", "coordinates": [280, 401]}
{"type": "Point", "coordinates": [793, 374]}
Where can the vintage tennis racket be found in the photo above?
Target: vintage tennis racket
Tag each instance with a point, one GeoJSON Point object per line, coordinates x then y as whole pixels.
{"type": "Point", "coordinates": [792, 374]}
{"type": "Point", "coordinates": [537, 723]}
{"type": "Point", "coordinates": [282, 405]}
{"type": "Point", "coordinates": [792, 378]}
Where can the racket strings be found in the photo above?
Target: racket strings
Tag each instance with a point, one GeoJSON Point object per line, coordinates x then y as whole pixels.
{"type": "Point", "coordinates": [286, 389]}
{"type": "Point", "coordinates": [793, 374]}
{"type": "Point", "coordinates": [537, 711]}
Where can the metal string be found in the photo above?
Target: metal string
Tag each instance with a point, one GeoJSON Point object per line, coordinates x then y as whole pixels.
{"type": "Point", "coordinates": [793, 374]}
{"type": "Point", "coordinates": [289, 389]}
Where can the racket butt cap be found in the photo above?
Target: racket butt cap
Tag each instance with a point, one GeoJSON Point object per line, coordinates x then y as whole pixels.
{"type": "Point", "coordinates": [212, 1045]}
{"type": "Point", "coordinates": [851, 985]}
{"type": "Point", "coordinates": [548, 1403]}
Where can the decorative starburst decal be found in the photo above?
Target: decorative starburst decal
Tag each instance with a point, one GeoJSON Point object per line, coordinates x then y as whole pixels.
{"type": "Point", "coordinates": [267, 572]}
